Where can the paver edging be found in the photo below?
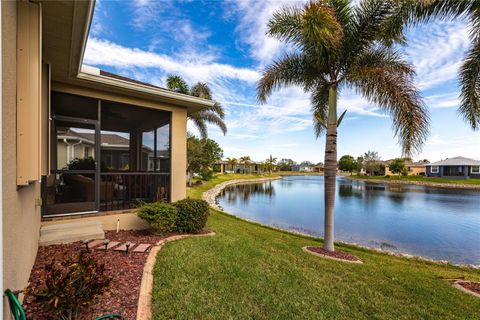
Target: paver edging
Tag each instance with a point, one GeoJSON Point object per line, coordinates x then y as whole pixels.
{"type": "Point", "coordinates": [144, 308]}
{"type": "Point", "coordinates": [457, 285]}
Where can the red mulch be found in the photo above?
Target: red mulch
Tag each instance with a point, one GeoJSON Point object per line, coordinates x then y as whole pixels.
{"type": "Point", "coordinates": [124, 270]}
{"type": "Point", "coordinates": [470, 285]}
{"type": "Point", "coordinates": [338, 254]}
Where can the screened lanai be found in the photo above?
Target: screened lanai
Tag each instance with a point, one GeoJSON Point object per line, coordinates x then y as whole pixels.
{"type": "Point", "coordinates": [105, 156]}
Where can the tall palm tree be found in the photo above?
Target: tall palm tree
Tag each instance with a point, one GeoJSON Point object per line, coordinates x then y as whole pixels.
{"type": "Point", "coordinates": [337, 46]}
{"type": "Point", "coordinates": [213, 115]}
{"type": "Point", "coordinates": [232, 162]}
{"type": "Point", "coordinates": [412, 12]}
{"type": "Point", "coordinates": [246, 161]}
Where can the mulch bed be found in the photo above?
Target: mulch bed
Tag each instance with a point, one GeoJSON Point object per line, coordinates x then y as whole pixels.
{"type": "Point", "coordinates": [124, 270]}
{"type": "Point", "coordinates": [337, 254]}
{"type": "Point", "coordinates": [470, 286]}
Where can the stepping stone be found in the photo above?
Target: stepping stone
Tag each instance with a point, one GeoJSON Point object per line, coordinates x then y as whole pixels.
{"type": "Point", "coordinates": [123, 247]}
{"type": "Point", "coordinates": [142, 247]}
{"type": "Point", "coordinates": [94, 243]}
{"type": "Point", "coordinates": [110, 245]}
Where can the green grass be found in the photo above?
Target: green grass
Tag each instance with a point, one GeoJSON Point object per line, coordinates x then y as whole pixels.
{"type": "Point", "coordinates": [247, 271]}
{"type": "Point", "coordinates": [420, 178]}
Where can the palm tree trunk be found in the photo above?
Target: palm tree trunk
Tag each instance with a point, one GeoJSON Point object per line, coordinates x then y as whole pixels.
{"type": "Point", "coordinates": [330, 168]}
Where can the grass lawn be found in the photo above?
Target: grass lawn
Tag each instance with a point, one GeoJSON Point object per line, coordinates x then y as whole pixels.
{"type": "Point", "coordinates": [420, 178]}
{"type": "Point", "coordinates": [251, 272]}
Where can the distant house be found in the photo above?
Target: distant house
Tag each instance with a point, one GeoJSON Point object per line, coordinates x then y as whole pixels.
{"type": "Point", "coordinates": [458, 167]}
{"type": "Point", "coordinates": [414, 168]}
{"type": "Point", "coordinates": [223, 166]}
{"type": "Point", "coordinates": [302, 168]}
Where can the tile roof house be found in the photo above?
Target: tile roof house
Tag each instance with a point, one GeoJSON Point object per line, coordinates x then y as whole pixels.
{"type": "Point", "coordinates": [456, 168]}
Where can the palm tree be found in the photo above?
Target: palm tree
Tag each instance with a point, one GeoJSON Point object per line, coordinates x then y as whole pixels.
{"type": "Point", "coordinates": [213, 115]}
{"type": "Point", "coordinates": [270, 163]}
{"type": "Point", "coordinates": [412, 12]}
{"type": "Point", "coordinates": [246, 161]}
{"type": "Point", "coordinates": [232, 162]}
{"type": "Point", "coordinates": [335, 46]}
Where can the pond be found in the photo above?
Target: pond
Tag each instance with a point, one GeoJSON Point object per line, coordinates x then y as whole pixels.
{"type": "Point", "coordinates": [433, 222]}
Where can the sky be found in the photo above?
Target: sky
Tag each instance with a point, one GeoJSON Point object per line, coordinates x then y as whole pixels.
{"type": "Point", "coordinates": [223, 44]}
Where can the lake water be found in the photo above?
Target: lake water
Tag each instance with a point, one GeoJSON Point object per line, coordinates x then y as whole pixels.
{"type": "Point", "coordinates": [432, 222]}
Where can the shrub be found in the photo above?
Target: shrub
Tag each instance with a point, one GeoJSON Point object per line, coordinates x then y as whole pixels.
{"type": "Point", "coordinates": [72, 284]}
{"type": "Point", "coordinates": [387, 176]}
{"type": "Point", "coordinates": [206, 174]}
{"type": "Point", "coordinates": [160, 216]}
{"type": "Point", "coordinates": [192, 215]}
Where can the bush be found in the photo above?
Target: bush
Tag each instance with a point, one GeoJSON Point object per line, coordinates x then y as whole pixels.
{"type": "Point", "coordinates": [387, 176]}
{"type": "Point", "coordinates": [160, 216]}
{"type": "Point", "coordinates": [72, 284]}
{"type": "Point", "coordinates": [206, 174]}
{"type": "Point", "coordinates": [192, 215]}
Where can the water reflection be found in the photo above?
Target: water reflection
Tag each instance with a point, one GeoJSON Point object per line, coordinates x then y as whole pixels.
{"type": "Point", "coordinates": [434, 222]}
{"type": "Point", "coordinates": [243, 192]}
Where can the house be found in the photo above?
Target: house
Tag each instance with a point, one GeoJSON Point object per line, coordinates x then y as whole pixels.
{"type": "Point", "coordinates": [302, 168]}
{"type": "Point", "coordinates": [223, 166]}
{"type": "Point", "coordinates": [456, 168]}
{"type": "Point", "coordinates": [414, 168]}
{"type": "Point", "coordinates": [47, 94]}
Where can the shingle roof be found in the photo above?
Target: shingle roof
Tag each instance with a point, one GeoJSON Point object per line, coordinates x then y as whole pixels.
{"type": "Point", "coordinates": [456, 161]}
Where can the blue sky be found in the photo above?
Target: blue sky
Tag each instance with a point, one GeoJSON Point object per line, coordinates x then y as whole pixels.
{"type": "Point", "coordinates": [224, 44]}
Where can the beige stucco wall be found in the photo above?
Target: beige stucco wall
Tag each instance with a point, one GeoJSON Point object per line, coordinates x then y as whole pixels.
{"type": "Point", "coordinates": [21, 218]}
{"type": "Point", "coordinates": [179, 130]}
{"type": "Point", "coordinates": [128, 221]}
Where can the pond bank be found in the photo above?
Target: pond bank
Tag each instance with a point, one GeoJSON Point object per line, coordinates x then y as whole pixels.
{"type": "Point", "coordinates": [418, 183]}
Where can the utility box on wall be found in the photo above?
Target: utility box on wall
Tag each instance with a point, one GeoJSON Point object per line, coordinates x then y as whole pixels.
{"type": "Point", "coordinates": [29, 92]}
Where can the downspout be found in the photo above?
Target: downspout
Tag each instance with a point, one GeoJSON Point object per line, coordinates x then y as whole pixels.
{"type": "Point", "coordinates": [1, 170]}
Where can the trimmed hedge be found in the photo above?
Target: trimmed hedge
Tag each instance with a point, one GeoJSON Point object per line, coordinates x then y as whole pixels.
{"type": "Point", "coordinates": [160, 216]}
{"type": "Point", "coordinates": [192, 215]}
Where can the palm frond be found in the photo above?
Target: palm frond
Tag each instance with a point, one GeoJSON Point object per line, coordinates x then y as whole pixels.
{"type": "Point", "coordinates": [289, 70]}
{"type": "Point", "coordinates": [286, 25]}
{"type": "Point", "coordinates": [177, 83]}
{"type": "Point", "coordinates": [369, 22]}
{"type": "Point", "coordinates": [200, 124]}
{"type": "Point", "coordinates": [206, 116]}
{"type": "Point", "coordinates": [321, 32]}
{"type": "Point", "coordinates": [470, 87]}
{"type": "Point", "coordinates": [392, 89]}
{"type": "Point", "coordinates": [319, 102]}
{"type": "Point", "coordinates": [201, 90]}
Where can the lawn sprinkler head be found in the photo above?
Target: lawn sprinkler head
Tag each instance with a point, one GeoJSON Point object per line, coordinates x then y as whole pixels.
{"type": "Point", "coordinates": [105, 243]}
{"type": "Point", "coordinates": [127, 245]}
{"type": "Point", "coordinates": [85, 243]}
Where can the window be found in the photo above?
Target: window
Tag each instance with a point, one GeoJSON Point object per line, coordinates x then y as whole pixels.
{"type": "Point", "coordinates": [475, 169]}
{"type": "Point", "coordinates": [434, 169]}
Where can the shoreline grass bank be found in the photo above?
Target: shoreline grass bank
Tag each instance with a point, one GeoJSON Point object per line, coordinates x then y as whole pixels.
{"type": "Point", "coordinates": [421, 180]}
{"type": "Point", "coordinates": [249, 271]}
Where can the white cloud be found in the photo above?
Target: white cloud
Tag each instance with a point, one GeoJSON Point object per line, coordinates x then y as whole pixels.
{"type": "Point", "coordinates": [436, 50]}
{"type": "Point", "coordinates": [253, 18]}
{"type": "Point", "coordinates": [443, 100]}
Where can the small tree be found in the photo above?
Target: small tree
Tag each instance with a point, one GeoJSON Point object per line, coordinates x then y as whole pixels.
{"type": "Point", "coordinates": [270, 164]}
{"type": "Point", "coordinates": [398, 166]}
{"type": "Point", "coordinates": [285, 164]}
{"type": "Point", "coordinates": [371, 160]}
{"type": "Point", "coordinates": [347, 163]}
{"type": "Point", "coordinates": [201, 155]}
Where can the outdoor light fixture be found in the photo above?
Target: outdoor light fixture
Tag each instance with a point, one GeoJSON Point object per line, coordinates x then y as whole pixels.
{"type": "Point", "coordinates": [85, 243]}
{"type": "Point", "coordinates": [127, 245]}
{"type": "Point", "coordinates": [105, 243]}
